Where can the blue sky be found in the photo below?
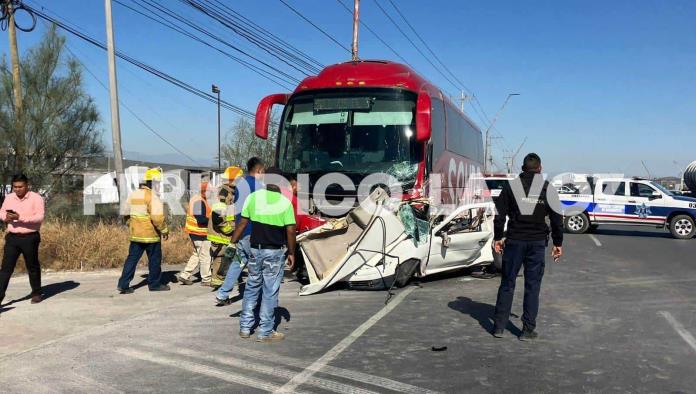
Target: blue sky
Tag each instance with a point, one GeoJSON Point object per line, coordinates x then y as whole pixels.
{"type": "Point", "coordinates": [603, 85]}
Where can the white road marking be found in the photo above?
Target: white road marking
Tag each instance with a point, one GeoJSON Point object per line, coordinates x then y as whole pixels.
{"type": "Point", "coordinates": [227, 376]}
{"type": "Point", "coordinates": [316, 366]}
{"type": "Point", "coordinates": [374, 380]}
{"type": "Point", "coordinates": [679, 328]}
{"type": "Point", "coordinates": [271, 370]}
{"type": "Point", "coordinates": [596, 241]}
{"type": "Point", "coordinates": [362, 377]}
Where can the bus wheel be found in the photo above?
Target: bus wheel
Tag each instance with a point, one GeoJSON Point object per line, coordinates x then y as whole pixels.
{"type": "Point", "coordinates": [682, 227]}
{"type": "Point", "coordinates": [577, 224]}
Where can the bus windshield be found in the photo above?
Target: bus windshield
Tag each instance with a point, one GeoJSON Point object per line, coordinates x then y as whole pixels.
{"type": "Point", "coordinates": [361, 131]}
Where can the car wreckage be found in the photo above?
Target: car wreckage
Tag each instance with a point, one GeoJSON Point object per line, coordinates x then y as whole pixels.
{"type": "Point", "coordinates": [382, 243]}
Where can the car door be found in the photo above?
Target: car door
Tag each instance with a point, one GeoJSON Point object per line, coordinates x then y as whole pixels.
{"type": "Point", "coordinates": [644, 205]}
{"type": "Point", "coordinates": [610, 202]}
{"type": "Point", "coordinates": [459, 239]}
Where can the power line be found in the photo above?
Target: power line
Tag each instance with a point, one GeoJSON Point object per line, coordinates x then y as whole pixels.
{"type": "Point", "coordinates": [269, 47]}
{"type": "Point", "coordinates": [329, 36]}
{"type": "Point", "coordinates": [414, 44]}
{"type": "Point", "coordinates": [160, 74]}
{"type": "Point", "coordinates": [278, 80]}
{"type": "Point", "coordinates": [428, 48]}
{"type": "Point", "coordinates": [270, 36]}
{"type": "Point", "coordinates": [482, 113]}
{"type": "Point", "coordinates": [181, 19]}
{"type": "Point", "coordinates": [129, 109]}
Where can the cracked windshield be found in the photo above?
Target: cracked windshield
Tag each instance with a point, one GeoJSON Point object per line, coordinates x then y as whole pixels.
{"type": "Point", "coordinates": [358, 134]}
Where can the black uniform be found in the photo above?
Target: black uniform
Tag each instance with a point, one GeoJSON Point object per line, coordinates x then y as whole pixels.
{"type": "Point", "coordinates": [526, 241]}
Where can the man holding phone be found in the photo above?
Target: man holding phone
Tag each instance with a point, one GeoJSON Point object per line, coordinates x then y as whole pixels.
{"type": "Point", "coordinates": [527, 201]}
{"type": "Point", "coordinates": [23, 211]}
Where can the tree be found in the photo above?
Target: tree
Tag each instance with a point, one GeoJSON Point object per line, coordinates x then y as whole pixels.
{"type": "Point", "coordinates": [242, 143]}
{"type": "Point", "coordinates": [56, 132]}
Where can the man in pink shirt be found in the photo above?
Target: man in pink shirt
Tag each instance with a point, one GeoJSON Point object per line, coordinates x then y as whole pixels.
{"type": "Point", "coordinates": [23, 211]}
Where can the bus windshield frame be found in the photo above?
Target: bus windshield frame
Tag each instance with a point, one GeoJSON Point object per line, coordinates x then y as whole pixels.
{"type": "Point", "coordinates": [353, 131]}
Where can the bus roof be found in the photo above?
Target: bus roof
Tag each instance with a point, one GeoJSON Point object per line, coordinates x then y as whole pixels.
{"type": "Point", "coordinates": [366, 73]}
{"type": "Point", "coordinates": [374, 73]}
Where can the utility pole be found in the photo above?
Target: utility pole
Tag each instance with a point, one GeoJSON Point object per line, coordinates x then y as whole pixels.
{"type": "Point", "coordinates": [356, 23]}
{"type": "Point", "coordinates": [217, 90]}
{"type": "Point", "coordinates": [462, 100]}
{"type": "Point", "coordinates": [511, 159]}
{"type": "Point", "coordinates": [17, 83]}
{"type": "Point", "coordinates": [113, 90]}
{"type": "Point", "coordinates": [487, 149]}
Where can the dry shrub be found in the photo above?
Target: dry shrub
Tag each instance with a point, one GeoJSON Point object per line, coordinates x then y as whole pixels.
{"type": "Point", "coordinates": [68, 245]}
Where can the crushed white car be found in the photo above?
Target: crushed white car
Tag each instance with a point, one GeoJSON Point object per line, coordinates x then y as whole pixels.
{"type": "Point", "coordinates": [377, 245]}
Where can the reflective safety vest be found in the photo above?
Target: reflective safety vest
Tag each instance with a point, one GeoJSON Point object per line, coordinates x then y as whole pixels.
{"type": "Point", "coordinates": [222, 232]}
{"type": "Point", "coordinates": [146, 216]}
{"type": "Point", "coordinates": [192, 226]}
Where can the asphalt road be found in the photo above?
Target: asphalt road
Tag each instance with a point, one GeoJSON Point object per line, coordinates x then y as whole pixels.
{"type": "Point", "coordinates": [617, 315]}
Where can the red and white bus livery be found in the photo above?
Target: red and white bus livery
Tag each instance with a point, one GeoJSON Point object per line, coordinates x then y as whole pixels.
{"type": "Point", "coordinates": [364, 117]}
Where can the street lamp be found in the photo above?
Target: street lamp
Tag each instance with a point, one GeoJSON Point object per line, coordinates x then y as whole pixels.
{"type": "Point", "coordinates": [217, 90]}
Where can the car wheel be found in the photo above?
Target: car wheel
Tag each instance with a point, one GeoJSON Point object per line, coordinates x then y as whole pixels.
{"type": "Point", "coordinates": [682, 227]}
{"type": "Point", "coordinates": [576, 224]}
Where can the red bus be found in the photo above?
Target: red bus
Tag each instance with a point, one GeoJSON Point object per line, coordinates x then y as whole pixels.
{"type": "Point", "coordinates": [363, 117]}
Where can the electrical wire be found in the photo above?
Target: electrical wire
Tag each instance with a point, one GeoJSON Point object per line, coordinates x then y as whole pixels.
{"type": "Point", "coordinates": [278, 80]}
{"type": "Point", "coordinates": [269, 37]}
{"type": "Point", "coordinates": [428, 47]}
{"type": "Point", "coordinates": [184, 21]}
{"type": "Point", "coordinates": [322, 31]}
{"type": "Point", "coordinates": [271, 49]}
{"type": "Point", "coordinates": [152, 70]}
{"type": "Point", "coordinates": [124, 105]}
{"type": "Point", "coordinates": [16, 6]}
{"type": "Point", "coordinates": [414, 44]}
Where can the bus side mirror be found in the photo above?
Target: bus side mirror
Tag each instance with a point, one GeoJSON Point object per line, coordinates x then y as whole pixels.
{"type": "Point", "coordinates": [263, 112]}
{"type": "Point", "coordinates": [423, 116]}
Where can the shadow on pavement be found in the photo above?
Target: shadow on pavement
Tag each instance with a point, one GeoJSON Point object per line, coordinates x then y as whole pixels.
{"type": "Point", "coordinates": [481, 312]}
{"type": "Point", "coordinates": [280, 314]}
{"type": "Point", "coordinates": [48, 291]}
{"type": "Point", "coordinates": [166, 278]}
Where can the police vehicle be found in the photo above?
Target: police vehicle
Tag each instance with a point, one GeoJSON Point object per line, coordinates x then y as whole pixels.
{"type": "Point", "coordinates": [629, 201]}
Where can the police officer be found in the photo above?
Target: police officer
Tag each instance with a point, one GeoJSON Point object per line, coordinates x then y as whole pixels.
{"type": "Point", "coordinates": [527, 201]}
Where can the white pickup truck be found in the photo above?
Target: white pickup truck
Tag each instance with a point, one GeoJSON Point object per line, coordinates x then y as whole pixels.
{"type": "Point", "coordinates": [629, 201]}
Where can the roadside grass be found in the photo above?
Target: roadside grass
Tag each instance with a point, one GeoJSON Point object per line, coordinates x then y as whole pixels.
{"type": "Point", "coordinates": [84, 246]}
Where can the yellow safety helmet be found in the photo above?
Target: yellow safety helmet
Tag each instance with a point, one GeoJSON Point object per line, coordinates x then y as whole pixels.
{"type": "Point", "coordinates": [232, 173]}
{"type": "Point", "coordinates": [153, 174]}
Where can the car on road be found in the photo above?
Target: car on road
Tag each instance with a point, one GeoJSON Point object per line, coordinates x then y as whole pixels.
{"type": "Point", "coordinates": [629, 202]}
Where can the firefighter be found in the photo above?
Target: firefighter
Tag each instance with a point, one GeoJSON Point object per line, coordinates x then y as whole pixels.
{"type": "Point", "coordinates": [147, 228]}
{"type": "Point", "coordinates": [197, 229]}
{"type": "Point", "coordinates": [221, 224]}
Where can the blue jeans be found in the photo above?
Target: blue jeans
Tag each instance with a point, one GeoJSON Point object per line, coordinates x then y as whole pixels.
{"type": "Point", "coordinates": [265, 274]}
{"type": "Point", "coordinates": [531, 255]}
{"type": "Point", "coordinates": [154, 263]}
{"type": "Point", "coordinates": [235, 269]}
